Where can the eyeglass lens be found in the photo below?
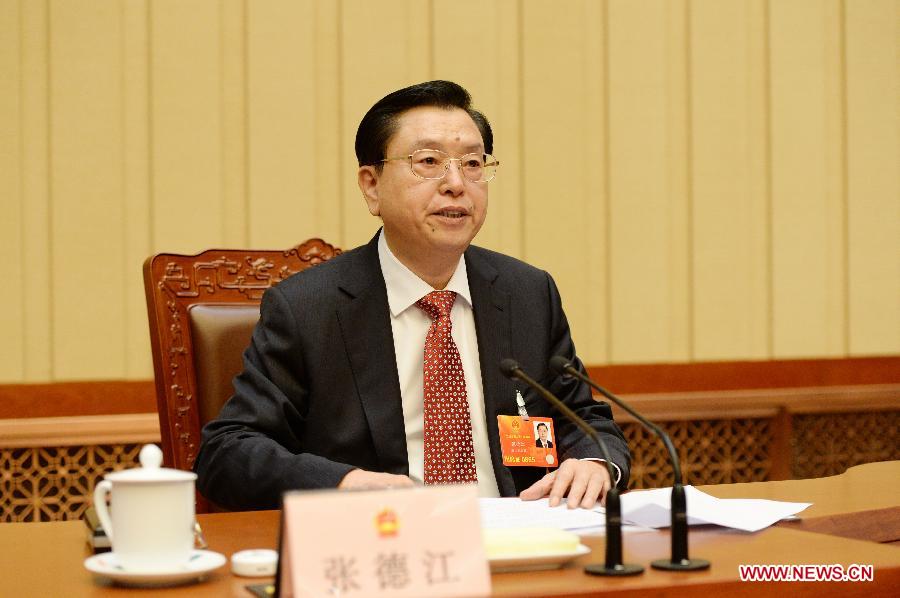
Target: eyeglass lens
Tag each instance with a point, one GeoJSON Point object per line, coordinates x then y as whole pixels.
{"type": "Point", "coordinates": [433, 164]}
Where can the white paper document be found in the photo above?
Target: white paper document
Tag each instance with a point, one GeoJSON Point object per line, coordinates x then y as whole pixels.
{"type": "Point", "coordinates": [514, 512]}
{"type": "Point", "coordinates": [651, 508]}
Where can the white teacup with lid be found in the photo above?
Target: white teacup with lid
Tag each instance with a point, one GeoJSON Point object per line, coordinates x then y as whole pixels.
{"type": "Point", "coordinates": [150, 519]}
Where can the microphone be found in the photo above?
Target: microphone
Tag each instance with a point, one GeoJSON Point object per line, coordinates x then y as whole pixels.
{"type": "Point", "coordinates": [680, 560]}
{"type": "Point", "coordinates": [614, 565]}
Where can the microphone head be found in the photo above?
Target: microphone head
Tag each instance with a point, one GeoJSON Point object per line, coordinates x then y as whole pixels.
{"type": "Point", "coordinates": [560, 364]}
{"type": "Point", "coordinates": [509, 368]}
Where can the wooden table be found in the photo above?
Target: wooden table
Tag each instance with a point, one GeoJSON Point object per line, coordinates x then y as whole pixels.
{"type": "Point", "coordinates": [862, 503]}
{"type": "Point", "coordinates": [46, 559]}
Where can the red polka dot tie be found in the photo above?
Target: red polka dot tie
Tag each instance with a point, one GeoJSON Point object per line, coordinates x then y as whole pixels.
{"type": "Point", "coordinates": [449, 454]}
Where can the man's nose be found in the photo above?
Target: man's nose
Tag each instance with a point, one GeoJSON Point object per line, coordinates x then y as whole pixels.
{"type": "Point", "coordinates": [453, 179]}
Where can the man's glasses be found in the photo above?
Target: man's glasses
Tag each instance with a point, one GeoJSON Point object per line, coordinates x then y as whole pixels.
{"type": "Point", "coordinates": [433, 165]}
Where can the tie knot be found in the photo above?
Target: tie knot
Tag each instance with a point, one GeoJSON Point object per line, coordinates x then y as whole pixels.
{"type": "Point", "coordinates": [437, 303]}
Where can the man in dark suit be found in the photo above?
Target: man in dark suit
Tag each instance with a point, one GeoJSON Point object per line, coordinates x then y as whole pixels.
{"type": "Point", "coordinates": [542, 441]}
{"type": "Point", "coordinates": [331, 395]}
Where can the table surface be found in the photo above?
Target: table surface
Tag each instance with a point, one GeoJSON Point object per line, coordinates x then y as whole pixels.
{"type": "Point", "coordinates": [46, 559]}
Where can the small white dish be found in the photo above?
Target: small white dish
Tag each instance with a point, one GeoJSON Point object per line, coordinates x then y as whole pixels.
{"type": "Point", "coordinates": [536, 562]}
{"type": "Point", "coordinates": [258, 562]}
{"type": "Point", "coordinates": [201, 562]}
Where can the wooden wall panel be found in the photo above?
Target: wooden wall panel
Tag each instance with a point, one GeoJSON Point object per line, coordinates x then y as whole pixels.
{"type": "Point", "coordinates": [706, 180]}
{"type": "Point", "coordinates": [136, 184]}
{"type": "Point", "coordinates": [873, 155]}
{"type": "Point", "coordinates": [292, 120]}
{"type": "Point", "coordinates": [328, 137]}
{"type": "Point", "coordinates": [12, 310]}
{"type": "Point", "coordinates": [648, 195]}
{"type": "Point", "coordinates": [564, 199]}
{"type": "Point", "coordinates": [876, 378]}
{"type": "Point", "coordinates": [232, 44]}
{"type": "Point", "coordinates": [36, 233]}
{"type": "Point", "coordinates": [384, 46]}
{"type": "Point", "coordinates": [281, 55]}
{"type": "Point", "coordinates": [186, 125]}
{"type": "Point", "coordinates": [51, 464]}
{"type": "Point", "coordinates": [729, 177]}
{"type": "Point", "coordinates": [87, 213]}
{"type": "Point", "coordinates": [491, 74]}
{"type": "Point", "coordinates": [808, 244]}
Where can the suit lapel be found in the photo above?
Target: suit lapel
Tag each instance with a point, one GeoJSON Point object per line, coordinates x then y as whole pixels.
{"type": "Point", "coordinates": [491, 307]}
{"type": "Point", "coordinates": [368, 339]}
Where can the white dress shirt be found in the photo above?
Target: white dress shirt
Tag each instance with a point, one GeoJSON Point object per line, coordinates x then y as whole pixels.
{"type": "Point", "coordinates": [410, 325]}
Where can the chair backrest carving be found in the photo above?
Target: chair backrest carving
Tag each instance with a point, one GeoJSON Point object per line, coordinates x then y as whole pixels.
{"type": "Point", "coordinates": [202, 308]}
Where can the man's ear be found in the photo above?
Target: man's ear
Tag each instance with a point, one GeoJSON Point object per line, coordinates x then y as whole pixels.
{"type": "Point", "coordinates": [367, 179]}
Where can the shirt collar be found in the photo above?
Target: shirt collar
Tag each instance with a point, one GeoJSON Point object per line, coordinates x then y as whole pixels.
{"type": "Point", "coordinates": [404, 288]}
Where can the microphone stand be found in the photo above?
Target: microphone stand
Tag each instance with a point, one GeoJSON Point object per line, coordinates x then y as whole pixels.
{"type": "Point", "coordinates": [613, 565]}
{"type": "Point", "coordinates": [680, 560]}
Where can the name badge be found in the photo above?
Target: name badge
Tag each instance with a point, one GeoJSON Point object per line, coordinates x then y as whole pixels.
{"type": "Point", "coordinates": [408, 542]}
{"type": "Point", "coordinates": [527, 442]}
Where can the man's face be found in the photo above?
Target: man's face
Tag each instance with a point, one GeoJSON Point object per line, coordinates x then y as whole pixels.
{"type": "Point", "coordinates": [542, 431]}
{"type": "Point", "coordinates": [427, 218]}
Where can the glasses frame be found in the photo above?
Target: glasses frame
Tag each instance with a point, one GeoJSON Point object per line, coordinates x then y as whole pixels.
{"type": "Point", "coordinates": [495, 164]}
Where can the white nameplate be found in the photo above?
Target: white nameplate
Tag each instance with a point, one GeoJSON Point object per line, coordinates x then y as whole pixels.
{"type": "Point", "coordinates": [423, 541]}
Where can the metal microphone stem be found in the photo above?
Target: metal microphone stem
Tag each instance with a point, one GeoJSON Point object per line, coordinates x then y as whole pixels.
{"type": "Point", "coordinates": [680, 561]}
{"type": "Point", "coordinates": [613, 565]}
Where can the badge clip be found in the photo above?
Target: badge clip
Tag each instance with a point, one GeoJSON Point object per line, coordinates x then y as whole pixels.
{"type": "Point", "coordinates": [520, 401]}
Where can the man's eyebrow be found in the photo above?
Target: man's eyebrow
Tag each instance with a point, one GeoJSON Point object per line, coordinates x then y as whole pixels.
{"type": "Point", "coordinates": [434, 144]}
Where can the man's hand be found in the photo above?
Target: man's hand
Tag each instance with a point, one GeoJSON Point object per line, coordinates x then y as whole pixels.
{"type": "Point", "coordinates": [360, 479]}
{"type": "Point", "coordinates": [586, 482]}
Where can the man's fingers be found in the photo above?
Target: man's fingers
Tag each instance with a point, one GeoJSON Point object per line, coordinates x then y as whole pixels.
{"type": "Point", "coordinates": [580, 483]}
{"type": "Point", "coordinates": [533, 492]}
{"type": "Point", "coordinates": [607, 486]}
{"type": "Point", "coordinates": [539, 489]}
{"type": "Point", "coordinates": [596, 489]}
{"type": "Point", "coordinates": [402, 481]}
{"type": "Point", "coordinates": [584, 482]}
{"type": "Point", "coordinates": [360, 479]}
{"type": "Point", "coordinates": [564, 476]}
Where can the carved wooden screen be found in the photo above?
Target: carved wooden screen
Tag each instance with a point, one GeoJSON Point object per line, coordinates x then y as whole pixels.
{"type": "Point", "coordinates": [711, 451]}
{"type": "Point", "coordinates": [56, 483]}
{"type": "Point", "coordinates": [825, 444]}
{"type": "Point", "coordinates": [174, 284]}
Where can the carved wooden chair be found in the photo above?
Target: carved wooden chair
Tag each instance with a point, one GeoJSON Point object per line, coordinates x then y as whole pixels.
{"type": "Point", "coordinates": [202, 309]}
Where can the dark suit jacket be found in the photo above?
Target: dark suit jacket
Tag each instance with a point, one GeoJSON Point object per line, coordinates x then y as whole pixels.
{"type": "Point", "coordinates": [319, 394]}
{"type": "Point", "coordinates": [537, 443]}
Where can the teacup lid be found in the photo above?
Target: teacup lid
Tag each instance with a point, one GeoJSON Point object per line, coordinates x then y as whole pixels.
{"type": "Point", "coordinates": [151, 470]}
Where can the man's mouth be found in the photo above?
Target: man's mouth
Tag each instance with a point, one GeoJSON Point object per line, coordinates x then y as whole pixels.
{"type": "Point", "coordinates": [452, 213]}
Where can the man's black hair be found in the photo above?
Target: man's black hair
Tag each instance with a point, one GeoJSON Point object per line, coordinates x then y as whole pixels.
{"type": "Point", "coordinates": [541, 424]}
{"type": "Point", "coordinates": [380, 122]}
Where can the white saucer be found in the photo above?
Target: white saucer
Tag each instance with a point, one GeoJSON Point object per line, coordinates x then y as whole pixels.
{"type": "Point", "coordinates": [536, 562]}
{"type": "Point", "coordinates": [201, 562]}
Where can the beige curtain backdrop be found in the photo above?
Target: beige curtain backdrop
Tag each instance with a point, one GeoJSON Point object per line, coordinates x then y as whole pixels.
{"type": "Point", "coordinates": [705, 179]}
